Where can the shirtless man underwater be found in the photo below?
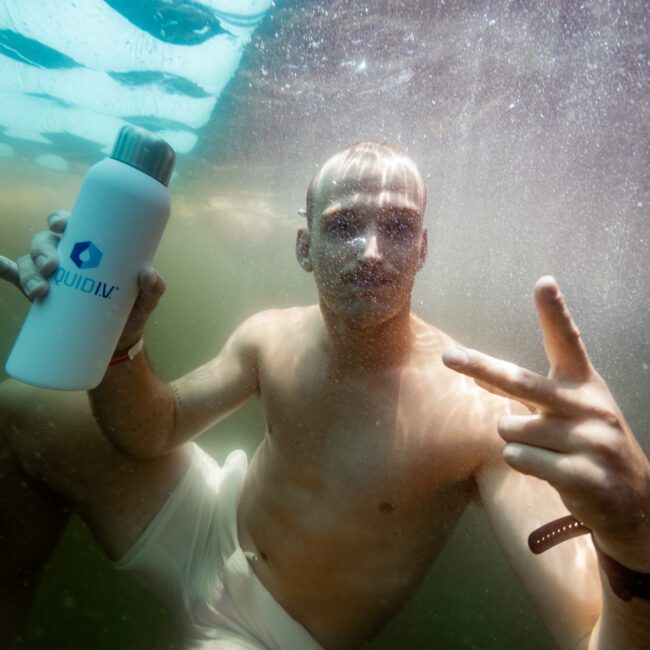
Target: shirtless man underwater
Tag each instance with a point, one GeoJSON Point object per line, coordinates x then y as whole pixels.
{"type": "Point", "coordinates": [374, 447]}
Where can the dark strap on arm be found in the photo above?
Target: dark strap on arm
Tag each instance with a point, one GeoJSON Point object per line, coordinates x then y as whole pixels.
{"type": "Point", "coordinates": [555, 532]}
{"type": "Point", "coordinates": [625, 583]}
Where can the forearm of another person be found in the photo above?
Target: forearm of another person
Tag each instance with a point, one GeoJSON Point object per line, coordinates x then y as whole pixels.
{"type": "Point", "coordinates": [567, 584]}
{"type": "Point", "coordinates": [624, 625]}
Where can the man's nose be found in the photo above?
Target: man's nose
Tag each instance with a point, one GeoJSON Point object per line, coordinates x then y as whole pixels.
{"type": "Point", "coordinates": [370, 249]}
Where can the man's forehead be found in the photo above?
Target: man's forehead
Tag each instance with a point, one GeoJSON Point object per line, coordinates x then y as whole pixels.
{"type": "Point", "coordinates": [380, 180]}
{"type": "Point", "coordinates": [330, 203]}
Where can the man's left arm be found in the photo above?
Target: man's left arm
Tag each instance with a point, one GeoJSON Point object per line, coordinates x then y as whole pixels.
{"type": "Point", "coordinates": [574, 455]}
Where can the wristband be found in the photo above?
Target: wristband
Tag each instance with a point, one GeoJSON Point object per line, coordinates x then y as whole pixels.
{"type": "Point", "coordinates": [127, 355]}
{"type": "Point", "coordinates": [625, 583]}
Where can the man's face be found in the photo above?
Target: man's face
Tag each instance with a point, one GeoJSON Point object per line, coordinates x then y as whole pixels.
{"type": "Point", "coordinates": [366, 242]}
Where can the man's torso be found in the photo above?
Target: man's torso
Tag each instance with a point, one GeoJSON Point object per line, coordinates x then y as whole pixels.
{"type": "Point", "coordinates": [361, 477]}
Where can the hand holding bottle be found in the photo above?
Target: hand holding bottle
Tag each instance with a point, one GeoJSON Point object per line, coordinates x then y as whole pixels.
{"type": "Point", "coordinates": [31, 274]}
{"type": "Point", "coordinates": [86, 304]}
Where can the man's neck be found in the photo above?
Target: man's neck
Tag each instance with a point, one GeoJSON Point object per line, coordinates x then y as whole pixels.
{"type": "Point", "coordinates": [373, 346]}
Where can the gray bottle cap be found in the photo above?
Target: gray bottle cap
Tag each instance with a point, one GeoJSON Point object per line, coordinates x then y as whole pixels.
{"type": "Point", "coordinates": [146, 152]}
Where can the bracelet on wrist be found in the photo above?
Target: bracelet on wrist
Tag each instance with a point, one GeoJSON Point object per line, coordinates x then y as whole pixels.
{"type": "Point", "coordinates": [127, 355]}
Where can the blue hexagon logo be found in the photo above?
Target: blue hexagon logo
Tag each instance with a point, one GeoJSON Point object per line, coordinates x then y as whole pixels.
{"type": "Point", "coordinates": [86, 255]}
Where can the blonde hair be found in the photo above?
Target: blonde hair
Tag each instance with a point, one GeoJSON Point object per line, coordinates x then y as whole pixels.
{"type": "Point", "coordinates": [362, 157]}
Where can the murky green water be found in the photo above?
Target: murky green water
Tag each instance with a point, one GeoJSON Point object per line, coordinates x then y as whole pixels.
{"type": "Point", "coordinates": [530, 123]}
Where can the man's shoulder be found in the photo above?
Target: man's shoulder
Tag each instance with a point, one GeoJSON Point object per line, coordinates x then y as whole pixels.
{"type": "Point", "coordinates": [454, 403]}
{"type": "Point", "coordinates": [429, 341]}
{"type": "Point", "coordinates": [427, 368]}
{"type": "Point", "coordinates": [268, 324]}
{"type": "Point", "coordinates": [282, 316]}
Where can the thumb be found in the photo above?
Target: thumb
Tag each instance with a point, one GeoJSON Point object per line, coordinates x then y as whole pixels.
{"type": "Point", "coordinates": [152, 287]}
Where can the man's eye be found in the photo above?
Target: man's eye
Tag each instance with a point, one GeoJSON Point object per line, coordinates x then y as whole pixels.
{"type": "Point", "coordinates": [397, 227]}
{"type": "Point", "coordinates": [341, 227]}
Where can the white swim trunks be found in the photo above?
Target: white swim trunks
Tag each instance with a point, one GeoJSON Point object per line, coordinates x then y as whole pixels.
{"type": "Point", "coordinates": [189, 556]}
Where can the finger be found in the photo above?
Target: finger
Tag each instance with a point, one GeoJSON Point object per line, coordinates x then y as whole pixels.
{"type": "Point", "coordinates": [564, 471]}
{"type": "Point", "coordinates": [564, 347]}
{"type": "Point", "coordinates": [553, 434]}
{"type": "Point", "coordinates": [43, 252]}
{"type": "Point", "coordinates": [490, 388]}
{"type": "Point", "coordinates": [516, 382]}
{"type": "Point", "coordinates": [501, 393]}
{"type": "Point", "coordinates": [58, 220]}
{"type": "Point", "coordinates": [31, 281]}
{"type": "Point", "coordinates": [9, 271]}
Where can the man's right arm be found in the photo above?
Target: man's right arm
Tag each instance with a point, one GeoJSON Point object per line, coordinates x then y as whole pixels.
{"type": "Point", "coordinates": [137, 411]}
{"type": "Point", "coordinates": [147, 417]}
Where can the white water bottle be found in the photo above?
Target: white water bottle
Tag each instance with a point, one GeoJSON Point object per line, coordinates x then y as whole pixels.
{"type": "Point", "coordinates": [69, 336]}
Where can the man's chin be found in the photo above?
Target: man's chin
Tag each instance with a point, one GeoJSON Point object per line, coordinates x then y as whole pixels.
{"type": "Point", "coordinates": [368, 312]}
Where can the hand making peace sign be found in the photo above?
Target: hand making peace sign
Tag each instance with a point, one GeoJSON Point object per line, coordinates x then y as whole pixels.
{"type": "Point", "coordinates": [577, 438]}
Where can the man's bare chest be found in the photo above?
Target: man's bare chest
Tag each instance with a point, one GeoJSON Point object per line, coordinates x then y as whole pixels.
{"type": "Point", "coordinates": [382, 436]}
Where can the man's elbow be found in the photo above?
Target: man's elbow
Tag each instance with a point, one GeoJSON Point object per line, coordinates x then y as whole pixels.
{"type": "Point", "coordinates": [140, 446]}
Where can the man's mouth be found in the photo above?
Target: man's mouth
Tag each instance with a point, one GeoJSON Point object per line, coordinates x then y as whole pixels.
{"type": "Point", "coordinates": [367, 280]}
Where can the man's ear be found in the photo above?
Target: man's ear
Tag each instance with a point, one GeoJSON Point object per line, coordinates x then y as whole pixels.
{"type": "Point", "coordinates": [424, 247]}
{"type": "Point", "coordinates": [303, 243]}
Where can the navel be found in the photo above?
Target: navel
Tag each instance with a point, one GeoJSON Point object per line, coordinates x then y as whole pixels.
{"type": "Point", "coordinates": [386, 508]}
{"type": "Point", "coordinates": [251, 556]}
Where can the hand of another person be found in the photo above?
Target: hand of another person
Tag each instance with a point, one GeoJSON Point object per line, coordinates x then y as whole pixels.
{"type": "Point", "coordinates": [30, 273]}
{"type": "Point", "coordinates": [577, 439]}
